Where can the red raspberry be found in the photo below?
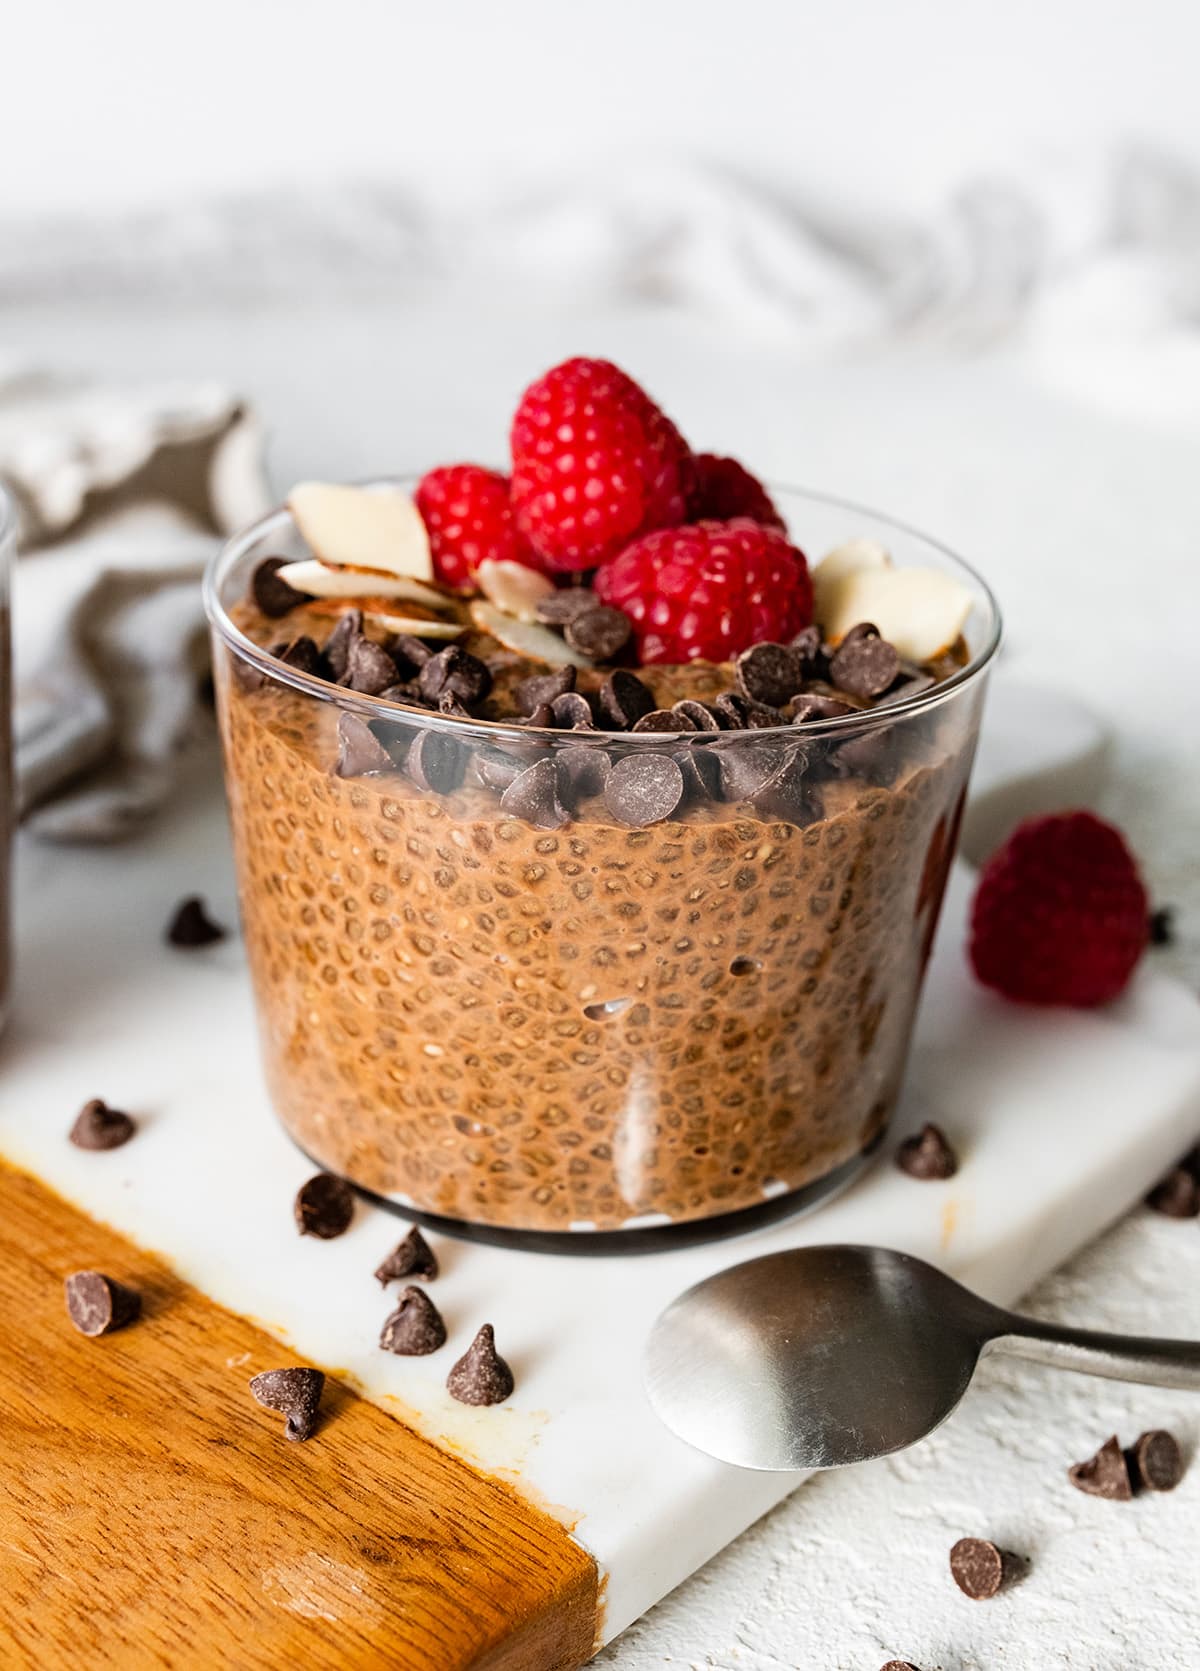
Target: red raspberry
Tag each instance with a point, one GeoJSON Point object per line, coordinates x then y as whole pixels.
{"type": "Point", "coordinates": [469, 515]}
{"type": "Point", "coordinates": [709, 589]}
{"type": "Point", "coordinates": [722, 488]}
{"type": "Point", "coordinates": [1060, 913]}
{"type": "Point", "coordinates": [595, 464]}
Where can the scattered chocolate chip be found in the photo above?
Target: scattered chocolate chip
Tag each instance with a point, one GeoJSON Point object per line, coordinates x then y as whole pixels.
{"type": "Point", "coordinates": [303, 655]}
{"type": "Point", "coordinates": [582, 771]}
{"type": "Point", "coordinates": [557, 608]}
{"type": "Point", "coordinates": [977, 1567]}
{"type": "Point", "coordinates": [664, 719]}
{"type": "Point", "coordinates": [791, 792]}
{"type": "Point", "coordinates": [702, 717]}
{"type": "Point", "coordinates": [409, 652]}
{"type": "Point", "coordinates": [274, 596]}
{"type": "Point", "coordinates": [415, 1328]}
{"type": "Point", "coordinates": [360, 753]}
{"type": "Point", "coordinates": [769, 673]}
{"type": "Point", "coordinates": [97, 1126]}
{"type": "Point", "coordinates": [599, 634]}
{"type": "Point", "coordinates": [572, 712]}
{"type": "Point", "coordinates": [192, 926]}
{"type": "Point", "coordinates": [337, 645]}
{"type": "Point", "coordinates": [369, 668]}
{"type": "Point", "coordinates": [97, 1304]}
{"type": "Point", "coordinates": [411, 1257]}
{"type": "Point", "coordinates": [481, 1375]}
{"type": "Point", "coordinates": [455, 669]}
{"type": "Point", "coordinates": [624, 699]}
{"type": "Point", "coordinates": [496, 771]}
{"type": "Point", "coordinates": [436, 761]}
{"type": "Point", "coordinates": [864, 666]}
{"type": "Point", "coordinates": [324, 1206]}
{"type": "Point", "coordinates": [1161, 927]}
{"type": "Point", "coordinates": [294, 1393]}
{"type": "Point", "coordinates": [533, 795]}
{"type": "Point", "coordinates": [644, 789]}
{"type": "Point", "coordinates": [745, 767]}
{"type": "Point", "coordinates": [1104, 1475]}
{"type": "Point", "coordinates": [1155, 1461]}
{"type": "Point", "coordinates": [927, 1154]}
{"type": "Point", "coordinates": [811, 706]}
{"type": "Point", "coordinates": [1177, 1196]}
{"type": "Point", "coordinates": [449, 705]}
{"type": "Point", "coordinates": [542, 688]}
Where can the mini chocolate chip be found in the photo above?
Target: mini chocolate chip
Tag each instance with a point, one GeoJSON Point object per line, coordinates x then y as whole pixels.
{"type": "Point", "coordinates": [557, 608]}
{"type": "Point", "coordinates": [928, 1154]}
{"type": "Point", "coordinates": [702, 717]}
{"type": "Point", "coordinates": [449, 705]}
{"type": "Point", "coordinates": [599, 634]}
{"type": "Point", "coordinates": [409, 652]}
{"type": "Point", "coordinates": [542, 718]}
{"type": "Point", "coordinates": [1161, 928]}
{"type": "Point", "coordinates": [745, 767]}
{"type": "Point", "coordinates": [303, 655]}
{"type": "Point", "coordinates": [337, 645]}
{"type": "Point", "coordinates": [582, 771]}
{"type": "Point", "coordinates": [481, 1375]}
{"type": "Point", "coordinates": [97, 1126]}
{"type": "Point", "coordinates": [572, 712]}
{"type": "Point", "coordinates": [533, 795]}
{"type": "Point", "coordinates": [811, 706]}
{"type": "Point", "coordinates": [624, 699]}
{"type": "Point", "coordinates": [542, 688]}
{"type": "Point", "coordinates": [415, 1328]}
{"type": "Point", "coordinates": [861, 630]}
{"type": "Point", "coordinates": [294, 1393]}
{"type": "Point", "coordinates": [455, 669]}
{"type": "Point", "coordinates": [360, 753]}
{"type": "Point", "coordinates": [436, 761]}
{"type": "Point", "coordinates": [864, 666]}
{"type": "Point", "coordinates": [739, 713]}
{"type": "Point", "coordinates": [1155, 1461]}
{"type": "Point", "coordinates": [978, 1568]}
{"type": "Point", "coordinates": [192, 926]}
{"type": "Point", "coordinates": [806, 646]}
{"type": "Point", "coordinates": [324, 1206]}
{"type": "Point", "coordinates": [664, 719]}
{"type": "Point", "coordinates": [496, 771]}
{"type": "Point", "coordinates": [273, 596]}
{"type": "Point", "coordinates": [1104, 1475]}
{"type": "Point", "coordinates": [412, 1256]}
{"type": "Point", "coordinates": [701, 774]}
{"type": "Point", "coordinates": [97, 1304]}
{"type": "Point", "coordinates": [369, 667]}
{"type": "Point", "coordinates": [644, 789]}
{"type": "Point", "coordinates": [1177, 1196]}
{"type": "Point", "coordinates": [769, 673]}
{"type": "Point", "coordinates": [790, 793]}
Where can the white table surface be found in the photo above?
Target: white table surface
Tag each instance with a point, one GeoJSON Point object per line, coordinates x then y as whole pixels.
{"type": "Point", "coordinates": [1088, 528]}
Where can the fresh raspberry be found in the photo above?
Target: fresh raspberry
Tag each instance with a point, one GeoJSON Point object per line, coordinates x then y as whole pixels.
{"type": "Point", "coordinates": [1060, 913]}
{"type": "Point", "coordinates": [709, 589]}
{"type": "Point", "coordinates": [595, 464]}
{"type": "Point", "coordinates": [469, 515]}
{"type": "Point", "coordinates": [722, 488]}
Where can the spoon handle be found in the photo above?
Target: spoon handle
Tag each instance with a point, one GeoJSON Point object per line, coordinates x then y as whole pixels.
{"type": "Point", "coordinates": [1117, 1357]}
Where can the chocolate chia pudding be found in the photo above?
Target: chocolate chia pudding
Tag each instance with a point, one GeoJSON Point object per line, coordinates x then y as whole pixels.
{"type": "Point", "coordinates": [524, 967]}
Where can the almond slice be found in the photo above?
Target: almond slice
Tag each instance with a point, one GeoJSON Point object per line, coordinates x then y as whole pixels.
{"type": "Point", "coordinates": [527, 638]}
{"type": "Point", "coordinates": [363, 528]}
{"type": "Point", "coordinates": [835, 569]}
{"type": "Point", "coordinates": [513, 587]}
{"type": "Point", "coordinates": [920, 611]}
{"type": "Point", "coordinates": [320, 581]}
{"type": "Point", "coordinates": [414, 625]}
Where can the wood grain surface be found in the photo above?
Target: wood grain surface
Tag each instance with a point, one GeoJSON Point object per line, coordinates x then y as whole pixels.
{"type": "Point", "coordinates": [151, 1514]}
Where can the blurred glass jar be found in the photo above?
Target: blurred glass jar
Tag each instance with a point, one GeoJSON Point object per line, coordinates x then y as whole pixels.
{"type": "Point", "coordinates": [8, 549]}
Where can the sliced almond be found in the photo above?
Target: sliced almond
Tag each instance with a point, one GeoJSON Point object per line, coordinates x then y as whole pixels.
{"type": "Point", "coordinates": [527, 638]}
{"type": "Point", "coordinates": [835, 568]}
{"type": "Point", "coordinates": [920, 611]}
{"type": "Point", "coordinates": [512, 587]}
{"type": "Point", "coordinates": [320, 581]}
{"type": "Point", "coordinates": [415, 625]}
{"type": "Point", "coordinates": [363, 528]}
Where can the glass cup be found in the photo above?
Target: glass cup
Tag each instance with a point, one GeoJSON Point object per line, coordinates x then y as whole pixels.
{"type": "Point", "coordinates": [8, 548]}
{"type": "Point", "coordinates": [558, 1030]}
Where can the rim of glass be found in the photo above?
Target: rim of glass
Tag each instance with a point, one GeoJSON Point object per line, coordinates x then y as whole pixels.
{"type": "Point", "coordinates": [373, 706]}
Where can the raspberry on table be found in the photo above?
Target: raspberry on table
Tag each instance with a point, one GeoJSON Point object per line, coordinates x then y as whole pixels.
{"type": "Point", "coordinates": [1060, 914]}
{"type": "Point", "coordinates": [710, 590]}
{"type": "Point", "coordinates": [469, 515]}
{"type": "Point", "coordinates": [722, 489]}
{"type": "Point", "coordinates": [595, 464]}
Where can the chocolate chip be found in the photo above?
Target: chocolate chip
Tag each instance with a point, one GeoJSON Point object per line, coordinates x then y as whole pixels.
{"type": "Point", "coordinates": [861, 630]}
{"type": "Point", "coordinates": [572, 712]}
{"type": "Point", "coordinates": [97, 1126]}
{"type": "Point", "coordinates": [455, 669]}
{"type": "Point", "coordinates": [303, 655]}
{"type": "Point", "coordinates": [806, 646]}
{"type": "Point", "coordinates": [542, 718]}
{"type": "Point", "coordinates": [927, 1155]}
{"type": "Point", "coordinates": [864, 666]}
{"type": "Point", "coordinates": [409, 652]}
{"type": "Point", "coordinates": [448, 704]}
{"type": "Point", "coordinates": [664, 719]}
{"type": "Point", "coordinates": [369, 668]}
{"type": "Point", "coordinates": [481, 1375]}
{"type": "Point", "coordinates": [644, 789]}
{"type": "Point", "coordinates": [408, 693]}
{"type": "Point", "coordinates": [1177, 1196]}
{"type": "Point", "coordinates": [436, 761]}
{"type": "Point", "coordinates": [905, 688]}
{"type": "Point", "coordinates": [744, 768]}
{"type": "Point", "coordinates": [360, 753]}
{"type": "Point", "coordinates": [582, 771]}
{"type": "Point", "coordinates": [533, 795]}
{"type": "Point", "coordinates": [295, 1393]}
{"type": "Point", "coordinates": [898, 1665]}
{"type": "Point", "coordinates": [274, 597]}
{"type": "Point", "coordinates": [411, 1257]}
{"type": "Point", "coordinates": [702, 717]}
{"type": "Point", "coordinates": [811, 706]}
{"type": "Point", "coordinates": [701, 774]}
{"type": "Point", "coordinates": [415, 1328]}
{"type": "Point", "coordinates": [624, 699]}
{"type": "Point", "coordinates": [1104, 1475]}
{"type": "Point", "coordinates": [978, 1568]}
{"type": "Point", "coordinates": [496, 771]}
{"type": "Point", "coordinates": [97, 1304]}
{"type": "Point", "coordinates": [324, 1206]}
{"type": "Point", "coordinates": [542, 688]}
{"type": "Point", "coordinates": [740, 713]}
{"type": "Point", "coordinates": [1191, 1162]}
{"type": "Point", "coordinates": [337, 645]}
{"type": "Point", "coordinates": [769, 673]}
{"type": "Point", "coordinates": [1155, 1461]}
{"type": "Point", "coordinates": [599, 634]}
{"type": "Point", "coordinates": [791, 792]}
{"type": "Point", "coordinates": [1161, 927]}
{"type": "Point", "coordinates": [192, 926]}
{"type": "Point", "coordinates": [557, 608]}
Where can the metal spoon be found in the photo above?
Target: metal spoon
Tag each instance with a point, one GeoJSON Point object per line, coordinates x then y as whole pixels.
{"type": "Point", "coordinates": [827, 1355]}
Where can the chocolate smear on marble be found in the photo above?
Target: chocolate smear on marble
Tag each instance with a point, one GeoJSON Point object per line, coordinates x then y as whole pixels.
{"type": "Point", "coordinates": [99, 1127]}
{"type": "Point", "coordinates": [98, 1304]}
{"type": "Point", "coordinates": [412, 1256]}
{"type": "Point", "coordinates": [481, 1375]}
{"type": "Point", "coordinates": [191, 926]}
{"type": "Point", "coordinates": [415, 1328]}
{"type": "Point", "coordinates": [324, 1206]}
{"type": "Point", "coordinates": [927, 1155]}
{"type": "Point", "coordinates": [295, 1394]}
